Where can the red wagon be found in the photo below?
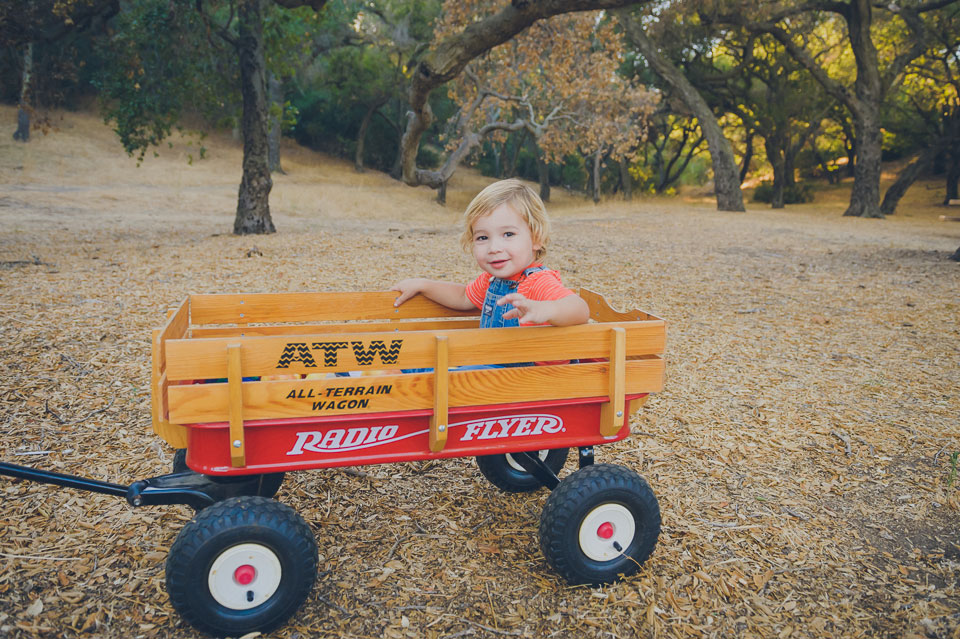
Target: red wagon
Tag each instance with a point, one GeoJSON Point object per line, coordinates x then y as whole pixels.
{"type": "Point", "coordinates": [249, 387]}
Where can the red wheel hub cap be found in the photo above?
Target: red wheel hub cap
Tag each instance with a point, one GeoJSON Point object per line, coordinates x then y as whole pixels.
{"type": "Point", "coordinates": [244, 574]}
{"type": "Point", "coordinates": [605, 531]}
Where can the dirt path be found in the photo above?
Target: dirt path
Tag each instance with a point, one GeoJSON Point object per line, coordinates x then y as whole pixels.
{"type": "Point", "coordinates": [801, 450]}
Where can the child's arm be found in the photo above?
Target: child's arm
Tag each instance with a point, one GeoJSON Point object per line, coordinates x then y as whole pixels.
{"type": "Point", "coordinates": [450, 294]}
{"type": "Point", "coordinates": [565, 311]}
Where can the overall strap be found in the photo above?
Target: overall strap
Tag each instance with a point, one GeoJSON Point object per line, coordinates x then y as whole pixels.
{"type": "Point", "coordinates": [530, 271]}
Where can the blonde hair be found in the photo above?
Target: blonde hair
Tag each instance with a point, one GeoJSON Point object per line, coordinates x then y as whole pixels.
{"type": "Point", "coordinates": [522, 199]}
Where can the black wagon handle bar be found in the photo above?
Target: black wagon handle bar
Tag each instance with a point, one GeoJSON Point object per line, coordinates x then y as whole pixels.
{"type": "Point", "coordinates": [187, 487]}
{"type": "Point", "coordinates": [59, 479]}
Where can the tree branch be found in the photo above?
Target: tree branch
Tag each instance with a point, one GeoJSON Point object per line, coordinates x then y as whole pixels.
{"type": "Point", "coordinates": [316, 5]}
{"type": "Point", "coordinates": [450, 56]}
{"type": "Point", "coordinates": [222, 31]}
{"type": "Point", "coordinates": [801, 55]}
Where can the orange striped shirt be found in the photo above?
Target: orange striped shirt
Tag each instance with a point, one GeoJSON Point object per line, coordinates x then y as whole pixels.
{"type": "Point", "coordinates": [540, 286]}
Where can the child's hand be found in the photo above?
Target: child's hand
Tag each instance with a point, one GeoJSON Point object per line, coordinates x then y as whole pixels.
{"type": "Point", "coordinates": [565, 311]}
{"type": "Point", "coordinates": [526, 311]}
{"type": "Point", "coordinates": [407, 288]}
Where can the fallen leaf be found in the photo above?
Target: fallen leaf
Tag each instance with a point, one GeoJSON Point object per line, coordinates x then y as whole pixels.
{"type": "Point", "coordinates": [35, 608]}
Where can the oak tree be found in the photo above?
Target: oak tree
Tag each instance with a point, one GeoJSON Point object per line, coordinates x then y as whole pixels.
{"type": "Point", "coordinates": [874, 78]}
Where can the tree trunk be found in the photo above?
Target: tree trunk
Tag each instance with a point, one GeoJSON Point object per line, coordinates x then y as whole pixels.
{"type": "Point", "coordinates": [23, 109]}
{"type": "Point", "coordinates": [906, 178]}
{"type": "Point", "coordinates": [775, 157]}
{"type": "Point", "coordinates": [510, 170]}
{"type": "Point", "coordinates": [789, 165]}
{"type": "Point", "coordinates": [597, 157]}
{"type": "Point", "coordinates": [276, 115]}
{"type": "Point", "coordinates": [865, 195]}
{"type": "Point", "coordinates": [660, 165]}
{"type": "Point", "coordinates": [953, 177]}
{"type": "Point", "coordinates": [849, 147]}
{"type": "Point", "coordinates": [543, 168]}
{"type": "Point", "coordinates": [442, 193]}
{"type": "Point", "coordinates": [726, 174]}
{"type": "Point", "coordinates": [625, 179]}
{"type": "Point", "coordinates": [747, 157]}
{"type": "Point", "coordinates": [497, 150]}
{"type": "Point", "coordinates": [543, 173]}
{"type": "Point", "coordinates": [253, 206]}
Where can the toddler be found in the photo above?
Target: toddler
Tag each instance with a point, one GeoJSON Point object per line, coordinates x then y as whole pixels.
{"type": "Point", "coordinates": [507, 229]}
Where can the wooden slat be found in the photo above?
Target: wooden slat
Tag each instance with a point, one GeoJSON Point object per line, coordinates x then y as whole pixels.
{"type": "Point", "coordinates": [175, 327]}
{"type": "Point", "coordinates": [238, 453]}
{"type": "Point", "coordinates": [173, 434]}
{"type": "Point", "coordinates": [611, 412]}
{"type": "Point", "coordinates": [203, 358]}
{"type": "Point", "coordinates": [194, 403]}
{"type": "Point", "coordinates": [350, 327]}
{"type": "Point", "coordinates": [441, 389]}
{"type": "Point", "coordinates": [311, 307]}
{"type": "Point", "coordinates": [601, 311]}
{"type": "Point", "coordinates": [155, 394]}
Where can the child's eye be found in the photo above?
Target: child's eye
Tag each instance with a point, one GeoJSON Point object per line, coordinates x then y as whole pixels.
{"type": "Point", "coordinates": [509, 234]}
{"type": "Point", "coordinates": [480, 238]}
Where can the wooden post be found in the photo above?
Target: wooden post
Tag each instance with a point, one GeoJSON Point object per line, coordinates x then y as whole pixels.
{"type": "Point", "coordinates": [441, 396]}
{"type": "Point", "coordinates": [238, 457]}
{"type": "Point", "coordinates": [611, 412]}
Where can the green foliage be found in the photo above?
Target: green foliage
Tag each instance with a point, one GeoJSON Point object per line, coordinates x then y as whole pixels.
{"type": "Point", "coordinates": [795, 194]}
{"type": "Point", "coordinates": [159, 65]}
{"type": "Point", "coordinates": [429, 156]}
{"type": "Point", "coordinates": [574, 173]}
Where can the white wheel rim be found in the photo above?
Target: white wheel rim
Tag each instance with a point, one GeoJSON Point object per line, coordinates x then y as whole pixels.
{"type": "Point", "coordinates": [224, 580]}
{"type": "Point", "coordinates": [542, 454]}
{"type": "Point", "coordinates": [603, 529]}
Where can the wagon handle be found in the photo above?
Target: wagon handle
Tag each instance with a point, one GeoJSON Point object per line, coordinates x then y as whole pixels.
{"type": "Point", "coordinates": [441, 396]}
{"type": "Point", "coordinates": [238, 455]}
{"type": "Point", "coordinates": [612, 412]}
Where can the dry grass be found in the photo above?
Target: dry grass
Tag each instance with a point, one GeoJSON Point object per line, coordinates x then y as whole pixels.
{"type": "Point", "coordinates": [801, 450]}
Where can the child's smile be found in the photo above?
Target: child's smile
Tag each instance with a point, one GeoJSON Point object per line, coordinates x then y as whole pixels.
{"type": "Point", "coordinates": [502, 243]}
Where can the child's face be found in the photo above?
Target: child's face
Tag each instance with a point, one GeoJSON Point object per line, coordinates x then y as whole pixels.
{"type": "Point", "coordinates": [502, 243]}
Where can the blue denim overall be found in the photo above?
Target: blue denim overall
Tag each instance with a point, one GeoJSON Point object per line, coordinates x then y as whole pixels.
{"type": "Point", "coordinates": [491, 315]}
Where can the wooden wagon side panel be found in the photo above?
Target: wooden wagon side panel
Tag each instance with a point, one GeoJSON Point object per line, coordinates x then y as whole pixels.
{"type": "Point", "coordinates": [601, 311]}
{"type": "Point", "coordinates": [198, 403]}
{"type": "Point", "coordinates": [196, 359]}
{"type": "Point", "coordinates": [176, 327]}
{"type": "Point", "coordinates": [348, 327]}
{"type": "Point", "coordinates": [311, 307]}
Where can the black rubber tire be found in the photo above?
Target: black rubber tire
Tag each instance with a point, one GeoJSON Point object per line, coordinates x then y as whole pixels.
{"type": "Point", "coordinates": [229, 523]}
{"type": "Point", "coordinates": [269, 482]}
{"type": "Point", "coordinates": [499, 472]}
{"type": "Point", "coordinates": [573, 500]}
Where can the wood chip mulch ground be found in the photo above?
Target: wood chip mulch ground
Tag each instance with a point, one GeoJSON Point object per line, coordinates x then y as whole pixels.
{"type": "Point", "coordinates": [804, 450]}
